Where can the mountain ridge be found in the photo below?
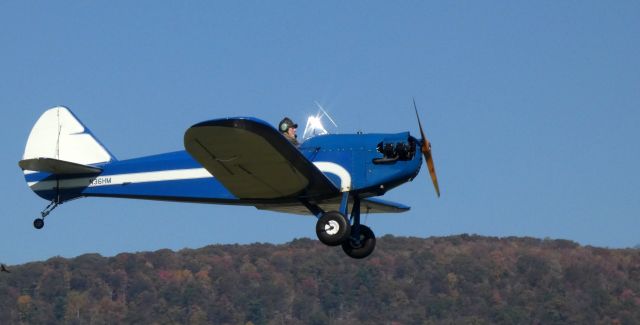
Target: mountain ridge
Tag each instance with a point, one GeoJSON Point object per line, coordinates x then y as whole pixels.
{"type": "Point", "coordinates": [408, 280]}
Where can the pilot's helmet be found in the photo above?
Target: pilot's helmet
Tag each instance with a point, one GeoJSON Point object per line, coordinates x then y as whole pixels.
{"type": "Point", "coordinates": [286, 124]}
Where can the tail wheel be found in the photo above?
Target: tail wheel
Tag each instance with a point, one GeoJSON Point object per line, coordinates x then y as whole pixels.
{"type": "Point", "coordinates": [333, 228]}
{"type": "Point", "coordinates": [38, 223]}
{"type": "Point", "coordinates": [362, 245]}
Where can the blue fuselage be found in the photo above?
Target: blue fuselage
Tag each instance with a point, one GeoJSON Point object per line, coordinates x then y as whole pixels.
{"type": "Point", "coordinates": [176, 176]}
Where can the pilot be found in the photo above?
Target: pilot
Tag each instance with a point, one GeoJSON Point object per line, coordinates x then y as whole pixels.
{"type": "Point", "coordinates": [288, 129]}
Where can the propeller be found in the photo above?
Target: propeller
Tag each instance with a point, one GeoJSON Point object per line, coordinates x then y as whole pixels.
{"type": "Point", "coordinates": [426, 152]}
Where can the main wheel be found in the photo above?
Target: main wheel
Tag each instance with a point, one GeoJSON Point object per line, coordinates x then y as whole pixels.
{"type": "Point", "coordinates": [38, 223]}
{"type": "Point", "coordinates": [333, 228]}
{"type": "Point", "coordinates": [362, 246]}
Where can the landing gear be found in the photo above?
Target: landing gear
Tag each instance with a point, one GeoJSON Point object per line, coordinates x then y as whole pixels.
{"type": "Point", "coordinates": [333, 228]}
{"type": "Point", "coordinates": [38, 223]}
{"type": "Point", "coordinates": [361, 243]}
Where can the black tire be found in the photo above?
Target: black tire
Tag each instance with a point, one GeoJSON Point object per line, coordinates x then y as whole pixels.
{"type": "Point", "coordinates": [38, 223]}
{"type": "Point", "coordinates": [360, 248]}
{"type": "Point", "coordinates": [333, 228]}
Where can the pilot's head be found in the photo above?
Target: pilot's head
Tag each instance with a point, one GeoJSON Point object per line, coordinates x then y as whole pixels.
{"type": "Point", "coordinates": [287, 126]}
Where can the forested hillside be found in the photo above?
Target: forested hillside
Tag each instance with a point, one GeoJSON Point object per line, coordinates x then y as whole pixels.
{"type": "Point", "coordinates": [459, 279]}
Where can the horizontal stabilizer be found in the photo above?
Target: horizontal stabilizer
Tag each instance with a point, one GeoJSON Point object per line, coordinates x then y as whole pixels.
{"type": "Point", "coordinates": [56, 166]}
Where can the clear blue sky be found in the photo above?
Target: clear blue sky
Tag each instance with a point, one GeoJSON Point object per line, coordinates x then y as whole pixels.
{"type": "Point", "coordinates": [533, 109]}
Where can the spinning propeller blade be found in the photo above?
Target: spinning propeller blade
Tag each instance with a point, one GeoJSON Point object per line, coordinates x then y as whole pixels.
{"type": "Point", "coordinates": [426, 151]}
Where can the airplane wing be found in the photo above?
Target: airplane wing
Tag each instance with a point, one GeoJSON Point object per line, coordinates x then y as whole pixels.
{"type": "Point", "coordinates": [369, 205]}
{"type": "Point", "coordinates": [254, 161]}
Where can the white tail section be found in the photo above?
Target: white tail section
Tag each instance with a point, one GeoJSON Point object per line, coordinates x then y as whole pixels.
{"type": "Point", "coordinates": [58, 134]}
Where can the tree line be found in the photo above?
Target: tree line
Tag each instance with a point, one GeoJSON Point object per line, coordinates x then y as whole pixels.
{"type": "Point", "coordinates": [438, 280]}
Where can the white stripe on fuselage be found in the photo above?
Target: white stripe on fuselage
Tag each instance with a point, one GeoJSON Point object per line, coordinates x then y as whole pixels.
{"type": "Point", "coordinates": [169, 175]}
{"type": "Point", "coordinates": [333, 168]}
{"type": "Point", "coordinates": [121, 179]}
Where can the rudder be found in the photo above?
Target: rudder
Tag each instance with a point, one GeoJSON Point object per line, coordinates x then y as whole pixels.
{"type": "Point", "coordinates": [58, 134]}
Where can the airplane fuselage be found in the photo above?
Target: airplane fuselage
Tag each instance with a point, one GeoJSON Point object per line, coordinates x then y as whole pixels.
{"type": "Point", "coordinates": [367, 164]}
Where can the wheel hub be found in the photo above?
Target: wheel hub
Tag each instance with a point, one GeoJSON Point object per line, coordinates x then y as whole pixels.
{"type": "Point", "coordinates": [332, 227]}
{"type": "Point", "coordinates": [356, 242]}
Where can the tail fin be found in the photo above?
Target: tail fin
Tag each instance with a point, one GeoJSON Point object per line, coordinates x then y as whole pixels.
{"type": "Point", "coordinates": [59, 135]}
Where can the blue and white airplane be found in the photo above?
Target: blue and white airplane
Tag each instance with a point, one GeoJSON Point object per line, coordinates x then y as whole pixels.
{"type": "Point", "coordinates": [235, 161]}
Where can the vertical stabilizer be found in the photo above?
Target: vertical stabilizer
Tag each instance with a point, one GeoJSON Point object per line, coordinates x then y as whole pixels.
{"type": "Point", "coordinates": [58, 134]}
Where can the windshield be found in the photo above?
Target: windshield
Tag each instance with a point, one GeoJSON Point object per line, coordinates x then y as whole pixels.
{"type": "Point", "coordinates": [315, 126]}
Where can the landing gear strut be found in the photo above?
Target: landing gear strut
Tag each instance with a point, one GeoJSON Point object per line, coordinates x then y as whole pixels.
{"type": "Point", "coordinates": [38, 223]}
{"type": "Point", "coordinates": [362, 240]}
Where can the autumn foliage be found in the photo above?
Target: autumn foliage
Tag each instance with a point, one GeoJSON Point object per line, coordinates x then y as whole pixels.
{"type": "Point", "coordinates": [451, 280]}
